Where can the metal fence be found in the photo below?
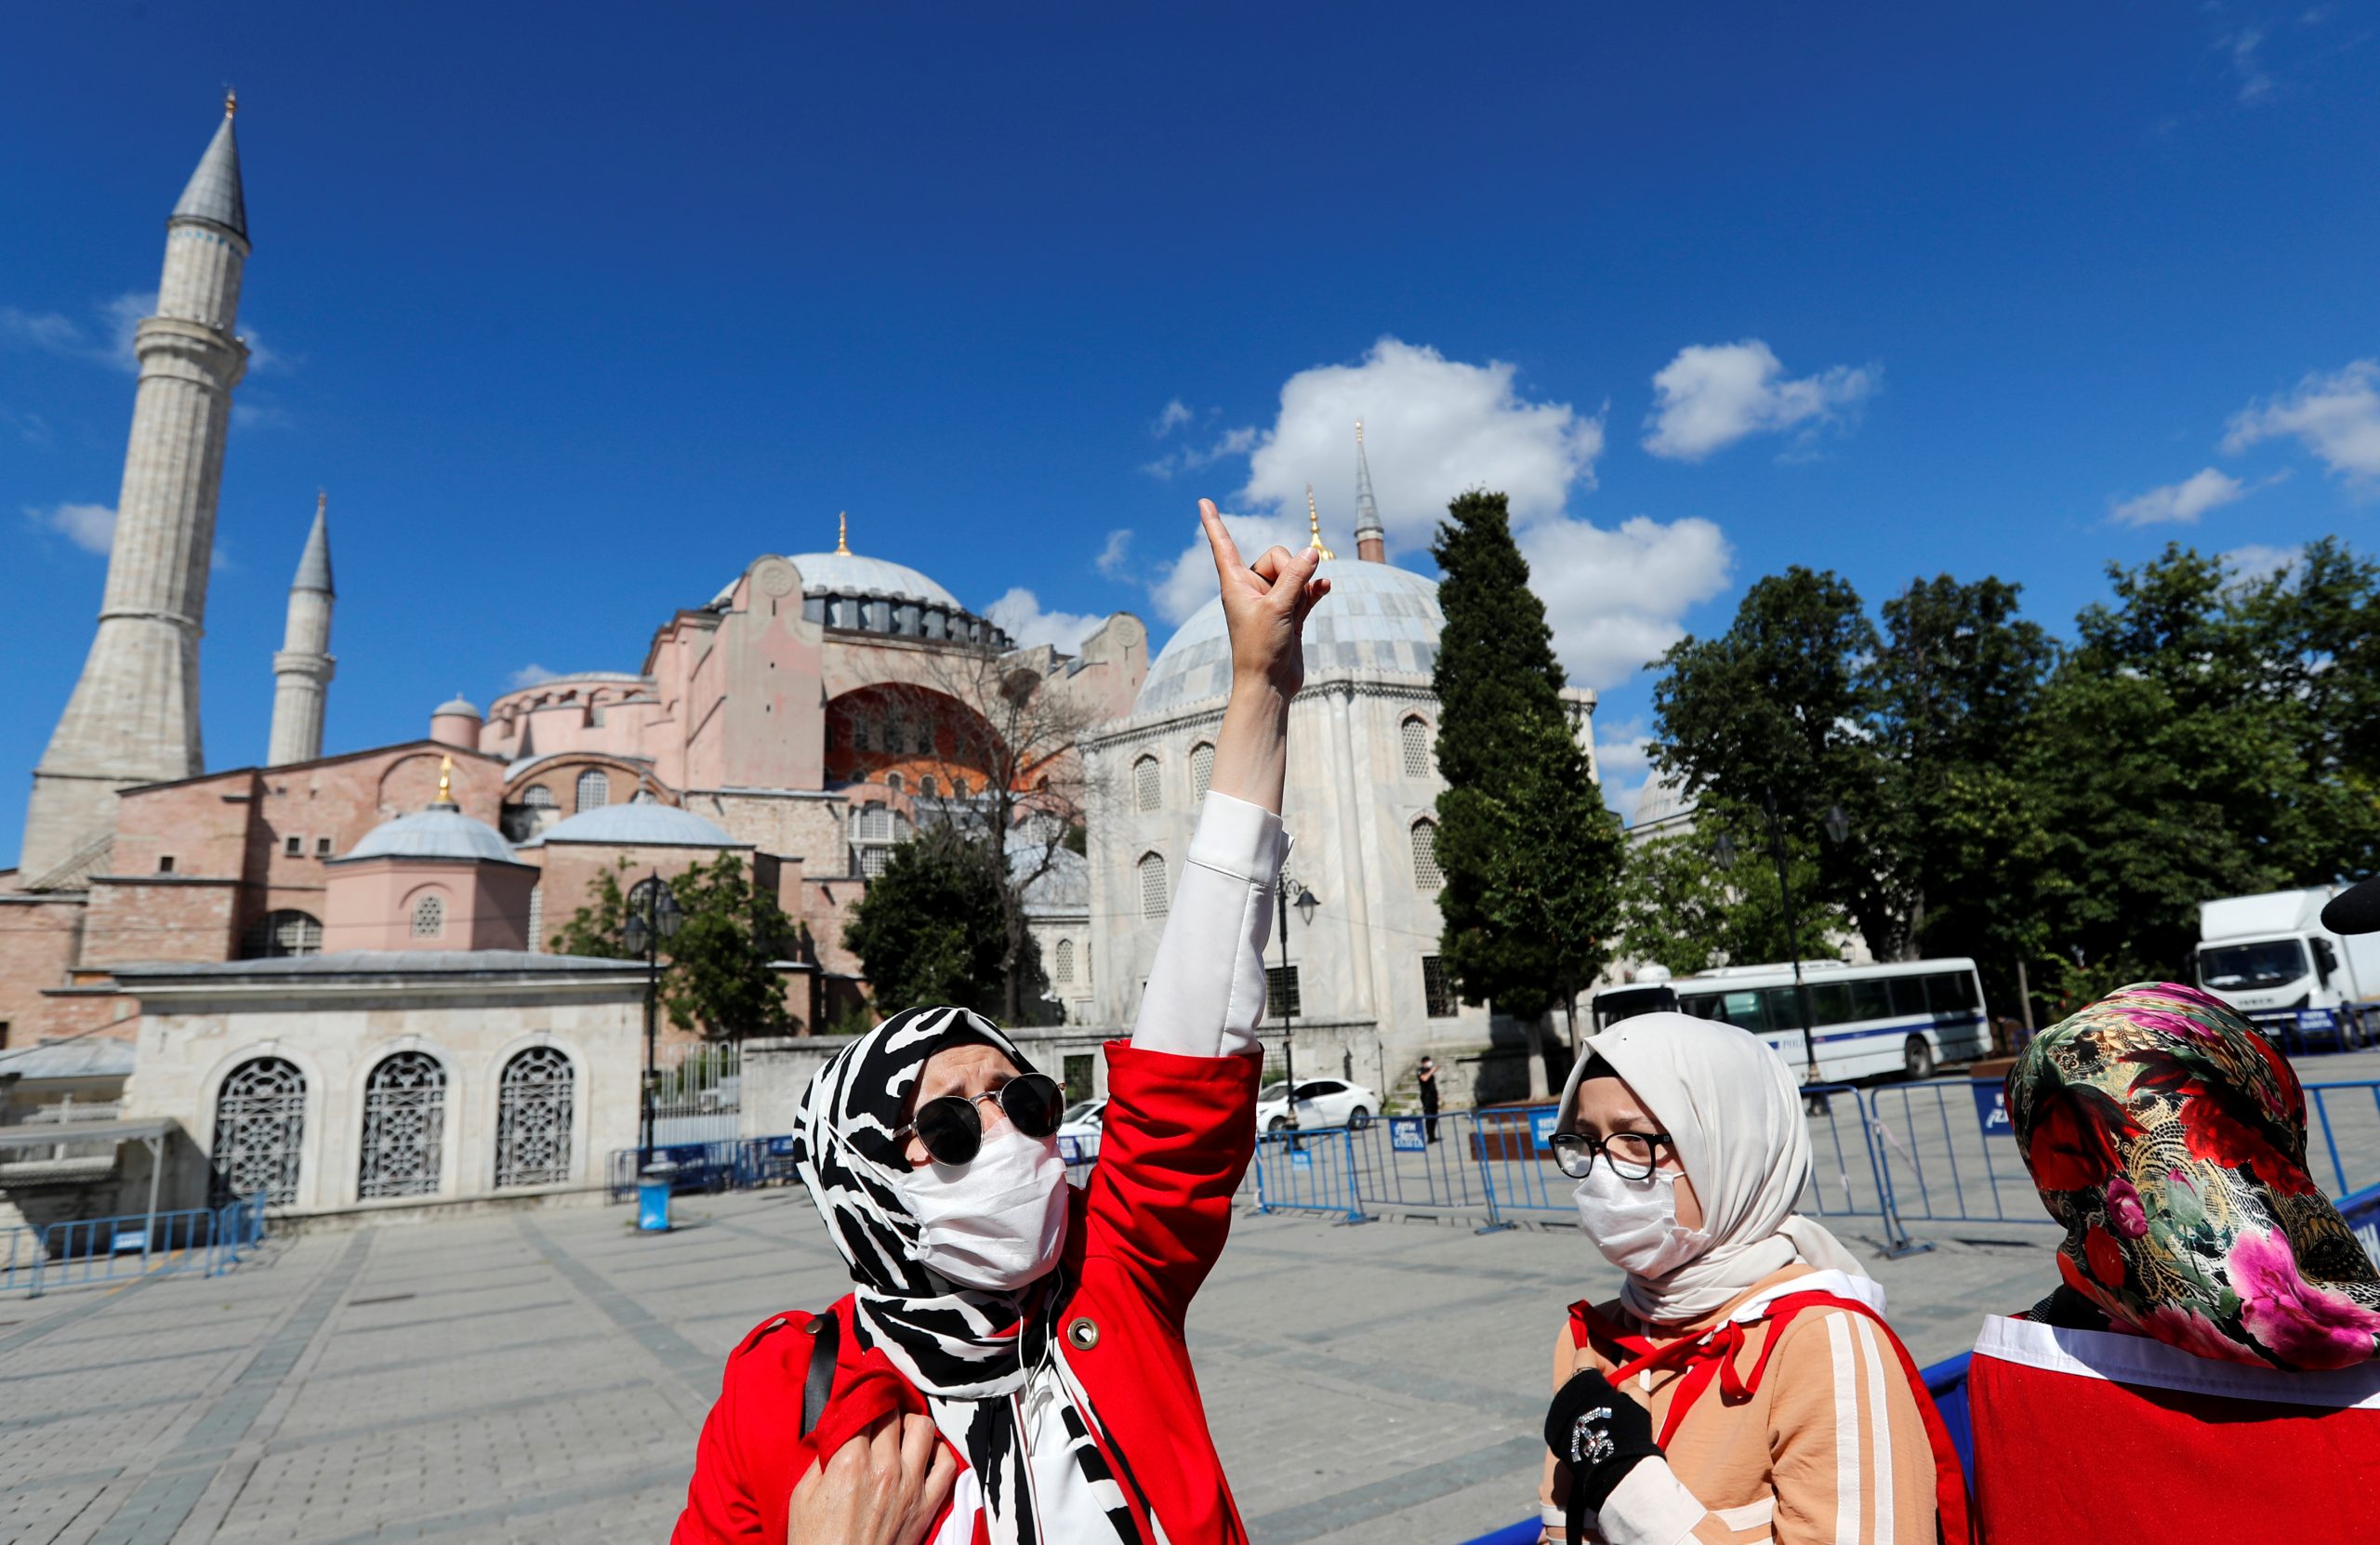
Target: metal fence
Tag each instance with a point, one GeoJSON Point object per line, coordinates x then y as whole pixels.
{"type": "Point", "coordinates": [209, 1240]}
{"type": "Point", "coordinates": [734, 1163]}
{"type": "Point", "coordinates": [697, 1093]}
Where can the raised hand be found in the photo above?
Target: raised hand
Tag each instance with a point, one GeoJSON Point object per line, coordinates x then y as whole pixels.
{"type": "Point", "coordinates": [1265, 606]}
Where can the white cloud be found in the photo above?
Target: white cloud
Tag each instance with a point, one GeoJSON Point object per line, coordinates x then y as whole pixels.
{"type": "Point", "coordinates": [49, 330]}
{"type": "Point", "coordinates": [88, 526]}
{"type": "Point", "coordinates": [1117, 554]}
{"type": "Point", "coordinates": [1170, 418]}
{"type": "Point", "coordinates": [1019, 614]}
{"type": "Point", "coordinates": [1188, 581]}
{"type": "Point", "coordinates": [124, 314]}
{"type": "Point", "coordinates": [1616, 599]}
{"type": "Point", "coordinates": [2336, 416]}
{"type": "Point", "coordinates": [2256, 560]}
{"type": "Point", "coordinates": [2255, 81]}
{"type": "Point", "coordinates": [2183, 502]}
{"type": "Point", "coordinates": [1189, 458]}
{"type": "Point", "coordinates": [1713, 395]}
{"type": "Point", "coordinates": [1623, 761]}
{"type": "Point", "coordinates": [532, 676]}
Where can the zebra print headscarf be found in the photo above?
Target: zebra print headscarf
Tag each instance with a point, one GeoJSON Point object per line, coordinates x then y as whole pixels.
{"type": "Point", "coordinates": [967, 1351]}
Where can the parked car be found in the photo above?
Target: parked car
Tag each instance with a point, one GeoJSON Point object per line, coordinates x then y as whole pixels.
{"type": "Point", "coordinates": [1079, 1131]}
{"type": "Point", "coordinates": [1321, 1103]}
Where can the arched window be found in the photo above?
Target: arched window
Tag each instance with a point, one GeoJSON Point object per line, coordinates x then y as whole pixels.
{"type": "Point", "coordinates": [404, 1127]}
{"type": "Point", "coordinates": [1416, 735]}
{"type": "Point", "coordinates": [1066, 967]}
{"type": "Point", "coordinates": [1152, 885]}
{"type": "Point", "coordinates": [1202, 767]}
{"type": "Point", "coordinates": [929, 789]}
{"type": "Point", "coordinates": [533, 1119]}
{"type": "Point", "coordinates": [537, 918]}
{"type": "Point", "coordinates": [895, 783]}
{"type": "Point", "coordinates": [429, 917]}
{"type": "Point", "coordinates": [1147, 792]}
{"type": "Point", "coordinates": [594, 789]}
{"type": "Point", "coordinates": [537, 797]}
{"type": "Point", "coordinates": [261, 1130]}
{"type": "Point", "coordinates": [277, 934]}
{"type": "Point", "coordinates": [1426, 856]}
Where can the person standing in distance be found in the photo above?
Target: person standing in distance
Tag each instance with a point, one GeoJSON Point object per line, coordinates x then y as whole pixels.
{"type": "Point", "coordinates": [1427, 1076]}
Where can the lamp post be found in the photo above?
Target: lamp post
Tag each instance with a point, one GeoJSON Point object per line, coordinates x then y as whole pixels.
{"type": "Point", "coordinates": [1838, 830]}
{"type": "Point", "coordinates": [653, 914]}
{"type": "Point", "coordinates": [1305, 901]}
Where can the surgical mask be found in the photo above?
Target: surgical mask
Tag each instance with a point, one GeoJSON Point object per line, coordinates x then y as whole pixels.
{"type": "Point", "coordinates": [1635, 1222]}
{"type": "Point", "coordinates": [995, 1222]}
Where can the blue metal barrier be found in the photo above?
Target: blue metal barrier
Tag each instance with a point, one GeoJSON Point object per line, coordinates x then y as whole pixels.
{"type": "Point", "coordinates": [81, 1250]}
{"type": "Point", "coordinates": [1309, 1170]}
{"type": "Point", "coordinates": [1936, 1161]}
{"type": "Point", "coordinates": [2355, 1162]}
{"type": "Point", "coordinates": [727, 1163]}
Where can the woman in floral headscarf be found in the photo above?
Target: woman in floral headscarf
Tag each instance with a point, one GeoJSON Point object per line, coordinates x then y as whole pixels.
{"type": "Point", "coordinates": [2216, 1319]}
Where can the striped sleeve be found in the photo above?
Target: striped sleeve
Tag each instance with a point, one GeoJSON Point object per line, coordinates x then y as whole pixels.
{"type": "Point", "coordinates": [1851, 1463]}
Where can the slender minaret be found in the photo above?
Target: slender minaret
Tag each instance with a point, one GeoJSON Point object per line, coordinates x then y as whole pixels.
{"type": "Point", "coordinates": [301, 671]}
{"type": "Point", "coordinates": [134, 715]}
{"type": "Point", "coordinates": [1371, 541]}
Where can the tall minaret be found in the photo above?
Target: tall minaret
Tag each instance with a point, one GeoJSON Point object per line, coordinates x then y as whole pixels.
{"type": "Point", "coordinates": [1371, 541]}
{"type": "Point", "coordinates": [134, 715]}
{"type": "Point", "coordinates": [301, 671]}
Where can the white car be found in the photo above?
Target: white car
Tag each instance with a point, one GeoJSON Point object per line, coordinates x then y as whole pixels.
{"type": "Point", "coordinates": [1321, 1103]}
{"type": "Point", "coordinates": [1079, 1131]}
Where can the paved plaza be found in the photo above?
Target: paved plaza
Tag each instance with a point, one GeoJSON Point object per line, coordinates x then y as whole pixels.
{"type": "Point", "coordinates": [540, 1375]}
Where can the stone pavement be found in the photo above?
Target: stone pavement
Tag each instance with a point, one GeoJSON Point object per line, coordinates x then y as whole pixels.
{"type": "Point", "coordinates": [540, 1375]}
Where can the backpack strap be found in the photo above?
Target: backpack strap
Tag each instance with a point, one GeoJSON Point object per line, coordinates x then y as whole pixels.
{"type": "Point", "coordinates": [818, 1381]}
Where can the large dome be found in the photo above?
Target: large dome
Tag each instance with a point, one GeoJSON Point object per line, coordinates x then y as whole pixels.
{"type": "Point", "coordinates": [847, 573]}
{"type": "Point", "coordinates": [1378, 620]}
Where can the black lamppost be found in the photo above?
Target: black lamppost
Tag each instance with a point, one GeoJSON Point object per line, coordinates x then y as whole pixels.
{"type": "Point", "coordinates": [1838, 830]}
{"type": "Point", "coordinates": [653, 914]}
{"type": "Point", "coordinates": [1287, 894]}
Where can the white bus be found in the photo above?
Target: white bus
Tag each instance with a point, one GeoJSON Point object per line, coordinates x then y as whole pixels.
{"type": "Point", "coordinates": [1905, 1017]}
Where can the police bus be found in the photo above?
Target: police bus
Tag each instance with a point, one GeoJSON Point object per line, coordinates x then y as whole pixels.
{"type": "Point", "coordinates": [1907, 1016]}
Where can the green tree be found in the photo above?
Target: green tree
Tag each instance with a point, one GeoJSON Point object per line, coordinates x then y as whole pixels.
{"type": "Point", "coordinates": [1530, 855]}
{"type": "Point", "coordinates": [718, 975]}
{"type": "Point", "coordinates": [932, 929]}
{"type": "Point", "coordinates": [1682, 908]}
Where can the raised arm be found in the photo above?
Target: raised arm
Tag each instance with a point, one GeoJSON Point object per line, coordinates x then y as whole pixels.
{"type": "Point", "coordinates": [1205, 987]}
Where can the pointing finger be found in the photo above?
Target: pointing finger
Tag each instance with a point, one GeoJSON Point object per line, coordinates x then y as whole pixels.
{"type": "Point", "coordinates": [1219, 540]}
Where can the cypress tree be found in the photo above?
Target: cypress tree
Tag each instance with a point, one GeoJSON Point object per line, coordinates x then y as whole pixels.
{"type": "Point", "coordinates": [1530, 856]}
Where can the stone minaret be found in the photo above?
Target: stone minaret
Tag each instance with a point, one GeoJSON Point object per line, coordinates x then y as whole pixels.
{"type": "Point", "coordinates": [301, 671]}
{"type": "Point", "coordinates": [1371, 541]}
{"type": "Point", "coordinates": [134, 715]}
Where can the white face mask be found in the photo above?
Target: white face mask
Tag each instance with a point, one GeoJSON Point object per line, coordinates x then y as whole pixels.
{"type": "Point", "coordinates": [1635, 1222]}
{"type": "Point", "coordinates": [995, 1222]}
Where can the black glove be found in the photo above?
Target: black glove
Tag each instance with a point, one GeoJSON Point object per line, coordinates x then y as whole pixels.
{"type": "Point", "coordinates": [1601, 1434]}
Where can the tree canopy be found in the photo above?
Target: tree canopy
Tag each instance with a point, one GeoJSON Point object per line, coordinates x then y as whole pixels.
{"type": "Point", "coordinates": [931, 929]}
{"type": "Point", "coordinates": [718, 975]}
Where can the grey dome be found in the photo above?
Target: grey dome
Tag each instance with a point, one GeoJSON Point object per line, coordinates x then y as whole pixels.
{"type": "Point", "coordinates": [640, 825]}
{"type": "Point", "coordinates": [1378, 620]}
{"type": "Point", "coordinates": [442, 831]}
{"type": "Point", "coordinates": [457, 704]}
{"type": "Point", "coordinates": [847, 573]}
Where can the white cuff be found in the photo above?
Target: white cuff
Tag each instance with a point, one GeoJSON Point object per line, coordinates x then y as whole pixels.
{"type": "Point", "coordinates": [1650, 1506]}
{"type": "Point", "coordinates": [1242, 839]}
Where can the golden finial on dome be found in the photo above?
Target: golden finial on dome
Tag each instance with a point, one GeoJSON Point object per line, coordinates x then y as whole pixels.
{"type": "Point", "coordinates": [1359, 431]}
{"type": "Point", "coordinates": [445, 780]}
{"type": "Point", "coordinates": [843, 533]}
{"type": "Point", "coordinates": [1313, 524]}
{"type": "Point", "coordinates": [231, 103]}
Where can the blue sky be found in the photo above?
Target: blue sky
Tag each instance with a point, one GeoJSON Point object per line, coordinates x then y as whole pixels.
{"type": "Point", "coordinates": [576, 309]}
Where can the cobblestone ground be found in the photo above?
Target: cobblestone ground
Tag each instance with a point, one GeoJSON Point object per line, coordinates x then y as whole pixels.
{"type": "Point", "coordinates": [539, 1376]}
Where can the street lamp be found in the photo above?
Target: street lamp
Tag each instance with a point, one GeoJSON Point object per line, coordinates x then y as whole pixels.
{"type": "Point", "coordinates": [653, 914]}
{"type": "Point", "coordinates": [1287, 894]}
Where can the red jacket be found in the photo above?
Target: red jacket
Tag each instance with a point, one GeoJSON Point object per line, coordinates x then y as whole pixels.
{"type": "Point", "coordinates": [1177, 1134]}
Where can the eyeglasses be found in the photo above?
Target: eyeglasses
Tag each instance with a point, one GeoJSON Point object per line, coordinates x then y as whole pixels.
{"type": "Point", "coordinates": [952, 1131]}
{"type": "Point", "coordinates": [1633, 1155]}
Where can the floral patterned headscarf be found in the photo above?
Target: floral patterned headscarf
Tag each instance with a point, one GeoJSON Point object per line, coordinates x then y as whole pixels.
{"type": "Point", "coordinates": [2169, 1138]}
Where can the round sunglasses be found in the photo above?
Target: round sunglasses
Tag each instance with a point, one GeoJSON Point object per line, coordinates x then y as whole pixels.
{"type": "Point", "coordinates": [952, 1131]}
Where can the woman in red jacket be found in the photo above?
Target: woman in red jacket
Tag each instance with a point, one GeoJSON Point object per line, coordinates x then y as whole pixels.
{"type": "Point", "coordinates": [1039, 1325]}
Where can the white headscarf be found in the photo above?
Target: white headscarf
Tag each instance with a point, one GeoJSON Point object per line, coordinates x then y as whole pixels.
{"type": "Point", "coordinates": [1731, 1106]}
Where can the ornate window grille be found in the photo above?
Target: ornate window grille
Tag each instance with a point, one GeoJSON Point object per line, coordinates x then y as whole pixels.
{"type": "Point", "coordinates": [1066, 960]}
{"type": "Point", "coordinates": [261, 1130]}
{"type": "Point", "coordinates": [1437, 998]}
{"type": "Point", "coordinates": [1202, 767]}
{"type": "Point", "coordinates": [594, 789]}
{"type": "Point", "coordinates": [533, 1119]}
{"type": "Point", "coordinates": [429, 917]}
{"type": "Point", "coordinates": [1153, 896]}
{"type": "Point", "coordinates": [537, 919]}
{"type": "Point", "coordinates": [404, 1126]}
{"type": "Point", "coordinates": [1426, 856]}
{"type": "Point", "coordinates": [277, 934]}
{"type": "Point", "coordinates": [537, 797]}
{"type": "Point", "coordinates": [1147, 792]}
{"type": "Point", "coordinates": [1416, 735]}
{"type": "Point", "coordinates": [1281, 996]}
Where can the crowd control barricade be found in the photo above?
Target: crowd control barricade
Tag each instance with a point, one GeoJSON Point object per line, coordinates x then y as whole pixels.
{"type": "Point", "coordinates": [1308, 1170]}
{"type": "Point", "coordinates": [2345, 1138]}
{"type": "Point", "coordinates": [728, 1164]}
{"type": "Point", "coordinates": [1399, 1166]}
{"type": "Point", "coordinates": [1946, 1152]}
{"type": "Point", "coordinates": [208, 1240]}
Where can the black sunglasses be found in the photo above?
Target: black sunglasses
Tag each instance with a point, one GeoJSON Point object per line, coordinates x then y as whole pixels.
{"type": "Point", "coordinates": [952, 1131]}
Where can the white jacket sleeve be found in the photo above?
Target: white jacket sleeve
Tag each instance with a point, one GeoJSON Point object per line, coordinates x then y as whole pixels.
{"type": "Point", "coordinates": [1206, 990]}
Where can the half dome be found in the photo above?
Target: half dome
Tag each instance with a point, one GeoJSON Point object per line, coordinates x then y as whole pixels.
{"type": "Point", "coordinates": [1378, 620]}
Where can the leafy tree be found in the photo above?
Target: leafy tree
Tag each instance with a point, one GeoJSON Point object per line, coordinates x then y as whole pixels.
{"type": "Point", "coordinates": [929, 928]}
{"type": "Point", "coordinates": [1683, 909]}
{"type": "Point", "coordinates": [1530, 855]}
{"type": "Point", "coordinates": [718, 974]}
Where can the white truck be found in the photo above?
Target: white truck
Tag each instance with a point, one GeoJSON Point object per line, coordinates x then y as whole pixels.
{"type": "Point", "coordinates": [2270, 957]}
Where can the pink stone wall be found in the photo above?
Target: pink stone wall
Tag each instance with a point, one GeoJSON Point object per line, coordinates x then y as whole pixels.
{"type": "Point", "coordinates": [372, 902]}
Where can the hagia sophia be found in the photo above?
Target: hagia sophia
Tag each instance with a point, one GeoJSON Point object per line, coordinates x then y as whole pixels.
{"type": "Point", "coordinates": [329, 974]}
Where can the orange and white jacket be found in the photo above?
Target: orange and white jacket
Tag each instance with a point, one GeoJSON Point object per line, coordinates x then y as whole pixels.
{"type": "Point", "coordinates": [1829, 1450]}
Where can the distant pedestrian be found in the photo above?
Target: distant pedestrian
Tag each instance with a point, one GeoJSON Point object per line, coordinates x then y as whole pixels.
{"type": "Point", "coordinates": [1427, 1076]}
{"type": "Point", "coordinates": [2216, 1322]}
